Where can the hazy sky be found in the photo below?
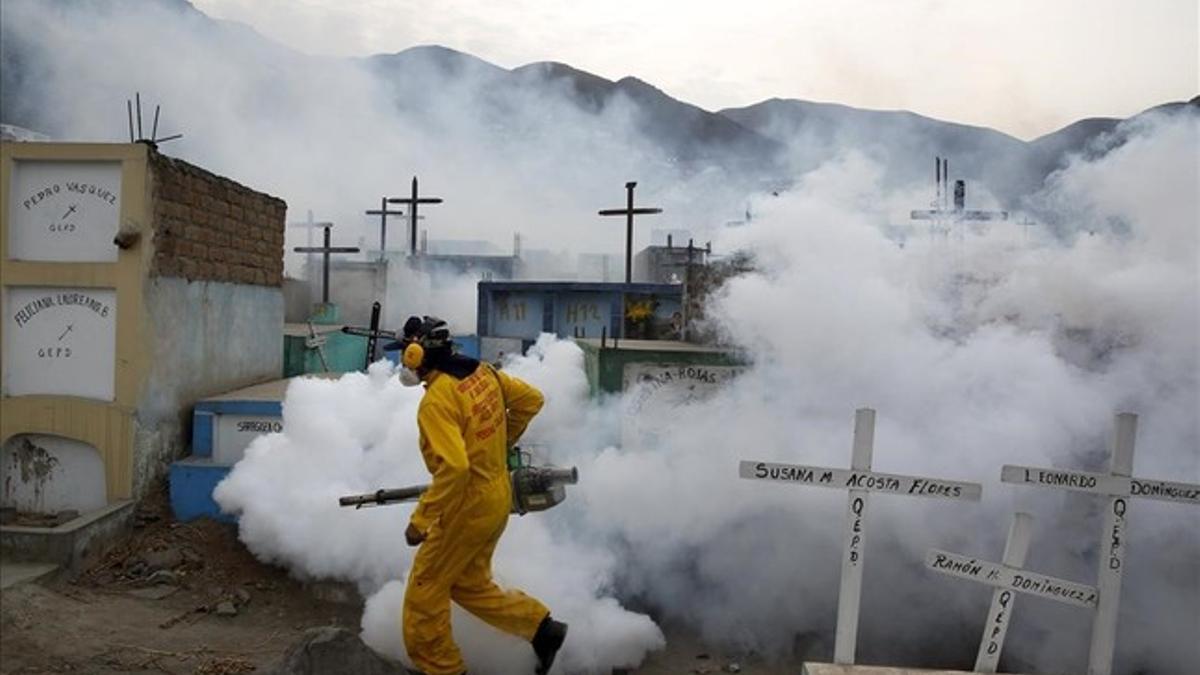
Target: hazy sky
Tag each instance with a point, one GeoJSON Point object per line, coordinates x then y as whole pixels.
{"type": "Point", "coordinates": [1026, 67]}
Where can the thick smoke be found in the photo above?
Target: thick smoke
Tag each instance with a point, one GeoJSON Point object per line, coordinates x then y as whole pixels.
{"type": "Point", "coordinates": [978, 348]}
{"type": "Point", "coordinates": [513, 154]}
{"type": "Point", "coordinates": [518, 154]}
{"type": "Point", "coordinates": [286, 490]}
{"type": "Point", "coordinates": [976, 351]}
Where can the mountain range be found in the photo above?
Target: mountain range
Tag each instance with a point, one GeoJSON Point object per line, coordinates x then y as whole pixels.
{"type": "Point", "coordinates": [771, 141]}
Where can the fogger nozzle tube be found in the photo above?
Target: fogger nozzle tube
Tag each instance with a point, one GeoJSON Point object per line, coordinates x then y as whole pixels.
{"type": "Point", "coordinates": [534, 489]}
{"type": "Point", "coordinates": [563, 476]}
{"type": "Point", "coordinates": [379, 497]}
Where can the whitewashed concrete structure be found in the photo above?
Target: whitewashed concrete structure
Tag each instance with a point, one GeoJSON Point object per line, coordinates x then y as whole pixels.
{"type": "Point", "coordinates": [131, 285]}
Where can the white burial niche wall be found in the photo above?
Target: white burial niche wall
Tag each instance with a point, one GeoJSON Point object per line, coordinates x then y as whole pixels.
{"type": "Point", "coordinates": [63, 211]}
{"type": "Point", "coordinates": [60, 341]}
{"type": "Point", "coordinates": [51, 474]}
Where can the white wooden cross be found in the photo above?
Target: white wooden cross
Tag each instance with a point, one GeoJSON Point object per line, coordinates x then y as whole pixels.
{"type": "Point", "coordinates": [1008, 577]}
{"type": "Point", "coordinates": [860, 481]}
{"type": "Point", "coordinates": [1118, 485]}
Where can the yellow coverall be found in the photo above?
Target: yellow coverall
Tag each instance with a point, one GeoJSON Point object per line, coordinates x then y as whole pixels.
{"type": "Point", "coordinates": [465, 436]}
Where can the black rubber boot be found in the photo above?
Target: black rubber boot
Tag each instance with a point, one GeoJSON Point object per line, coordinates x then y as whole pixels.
{"type": "Point", "coordinates": [547, 641]}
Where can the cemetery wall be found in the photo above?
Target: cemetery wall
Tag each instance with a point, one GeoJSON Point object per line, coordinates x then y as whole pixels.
{"type": "Point", "coordinates": [209, 337]}
{"type": "Point", "coordinates": [209, 228]}
{"type": "Point", "coordinates": [214, 300]}
{"type": "Point", "coordinates": [122, 304]}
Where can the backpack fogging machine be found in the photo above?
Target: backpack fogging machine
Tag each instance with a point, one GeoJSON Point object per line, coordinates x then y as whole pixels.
{"type": "Point", "coordinates": [534, 488]}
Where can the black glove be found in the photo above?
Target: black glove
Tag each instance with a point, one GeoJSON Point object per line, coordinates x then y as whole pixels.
{"type": "Point", "coordinates": [413, 536]}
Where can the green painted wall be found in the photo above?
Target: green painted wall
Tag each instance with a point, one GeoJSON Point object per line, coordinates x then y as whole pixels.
{"type": "Point", "coordinates": [344, 353]}
{"type": "Point", "coordinates": [605, 368]}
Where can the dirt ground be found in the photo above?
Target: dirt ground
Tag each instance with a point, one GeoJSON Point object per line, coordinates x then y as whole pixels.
{"type": "Point", "coordinates": [188, 598]}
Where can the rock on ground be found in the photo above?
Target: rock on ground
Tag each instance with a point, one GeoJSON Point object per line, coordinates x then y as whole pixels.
{"type": "Point", "coordinates": [333, 650]}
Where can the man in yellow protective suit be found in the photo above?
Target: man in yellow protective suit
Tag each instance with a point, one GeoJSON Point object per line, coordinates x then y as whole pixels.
{"type": "Point", "coordinates": [469, 417]}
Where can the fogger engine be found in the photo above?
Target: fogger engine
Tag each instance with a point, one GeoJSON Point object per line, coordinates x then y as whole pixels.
{"type": "Point", "coordinates": [537, 488]}
{"type": "Point", "coordinates": [534, 488]}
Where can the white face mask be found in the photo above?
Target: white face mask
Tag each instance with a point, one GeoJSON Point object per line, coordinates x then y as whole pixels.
{"type": "Point", "coordinates": [409, 377]}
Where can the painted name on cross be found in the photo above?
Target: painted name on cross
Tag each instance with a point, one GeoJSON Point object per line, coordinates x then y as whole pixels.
{"type": "Point", "coordinates": [1099, 483]}
{"type": "Point", "coordinates": [870, 481]}
{"type": "Point", "coordinates": [1021, 581]}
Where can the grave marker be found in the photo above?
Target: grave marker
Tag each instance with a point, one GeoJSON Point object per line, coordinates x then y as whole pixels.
{"type": "Point", "coordinates": [317, 342]}
{"type": "Point", "coordinates": [860, 481]}
{"type": "Point", "coordinates": [383, 213]}
{"type": "Point", "coordinates": [325, 251]}
{"type": "Point", "coordinates": [372, 333]}
{"type": "Point", "coordinates": [310, 225]}
{"type": "Point", "coordinates": [64, 211]}
{"type": "Point", "coordinates": [60, 341]}
{"type": "Point", "coordinates": [1118, 485]}
{"type": "Point", "coordinates": [1008, 577]}
{"type": "Point", "coordinates": [629, 212]}
{"type": "Point", "coordinates": [412, 203]}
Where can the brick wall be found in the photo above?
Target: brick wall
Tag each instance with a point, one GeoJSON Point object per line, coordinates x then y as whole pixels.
{"type": "Point", "coordinates": [209, 228]}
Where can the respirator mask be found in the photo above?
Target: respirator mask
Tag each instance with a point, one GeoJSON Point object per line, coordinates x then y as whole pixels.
{"type": "Point", "coordinates": [409, 378]}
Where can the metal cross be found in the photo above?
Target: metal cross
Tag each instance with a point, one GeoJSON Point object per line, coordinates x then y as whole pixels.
{"type": "Point", "coordinates": [412, 212]}
{"type": "Point", "coordinates": [383, 213]}
{"type": "Point", "coordinates": [325, 251]}
{"type": "Point", "coordinates": [629, 212]}
{"type": "Point", "coordinates": [317, 342]}
{"type": "Point", "coordinates": [943, 211]}
{"type": "Point", "coordinates": [372, 333]}
{"type": "Point", "coordinates": [310, 225]}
